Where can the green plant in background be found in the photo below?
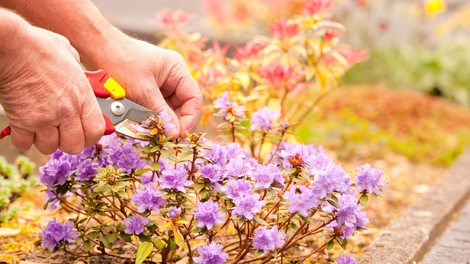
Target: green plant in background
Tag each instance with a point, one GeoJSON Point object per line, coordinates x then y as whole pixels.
{"type": "Point", "coordinates": [441, 71]}
{"type": "Point", "coordinates": [15, 180]}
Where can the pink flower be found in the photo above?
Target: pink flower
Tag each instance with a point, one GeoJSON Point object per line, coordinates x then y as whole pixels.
{"type": "Point", "coordinates": [314, 7]}
{"type": "Point", "coordinates": [215, 8]}
{"type": "Point", "coordinates": [171, 21]}
{"type": "Point", "coordinates": [352, 56]}
{"type": "Point", "coordinates": [209, 78]}
{"type": "Point", "coordinates": [330, 34]}
{"type": "Point", "coordinates": [282, 76]}
{"type": "Point", "coordinates": [249, 51]}
{"type": "Point", "coordinates": [283, 30]}
{"type": "Point", "coordinates": [217, 52]}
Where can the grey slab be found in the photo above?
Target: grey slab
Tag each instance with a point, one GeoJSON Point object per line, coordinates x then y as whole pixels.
{"type": "Point", "coordinates": [408, 239]}
{"type": "Point", "coordinates": [454, 245]}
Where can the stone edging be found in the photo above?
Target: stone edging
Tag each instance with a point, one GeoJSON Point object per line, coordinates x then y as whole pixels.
{"type": "Point", "coordinates": [409, 238]}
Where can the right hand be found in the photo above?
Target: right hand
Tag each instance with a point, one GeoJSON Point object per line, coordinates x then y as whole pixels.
{"type": "Point", "coordinates": [46, 95]}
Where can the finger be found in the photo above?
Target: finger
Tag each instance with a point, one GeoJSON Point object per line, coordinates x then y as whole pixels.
{"type": "Point", "coordinates": [21, 138]}
{"type": "Point", "coordinates": [150, 96]}
{"type": "Point", "coordinates": [187, 93]}
{"type": "Point", "coordinates": [71, 136]}
{"type": "Point", "coordinates": [92, 121]}
{"type": "Point", "coordinates": [47, 139]}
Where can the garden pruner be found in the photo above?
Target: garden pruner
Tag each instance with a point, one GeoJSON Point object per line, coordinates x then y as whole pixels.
{"type": "Point", "coordinates": [121, 115]}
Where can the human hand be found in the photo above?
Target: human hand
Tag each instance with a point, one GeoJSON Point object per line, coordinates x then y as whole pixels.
{"type": "Point", "coordinates": [45, 93]}
{"type": "Point", "coordinates": [155, 78]}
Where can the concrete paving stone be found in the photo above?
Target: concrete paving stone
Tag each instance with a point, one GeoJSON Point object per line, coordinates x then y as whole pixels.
{"type": "Point", "coordinates": [408, 239]}
{"type": "Point", "coordinates": [454, 245]}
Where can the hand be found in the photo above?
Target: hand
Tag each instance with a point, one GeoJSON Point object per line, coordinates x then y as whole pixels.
{"type": "Point", "coordinates": [45, 94]}
{"type": "Point", "coordinates": [155, 78]}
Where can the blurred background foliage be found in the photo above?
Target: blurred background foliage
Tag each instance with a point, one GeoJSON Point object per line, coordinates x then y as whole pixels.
{"type": "Point", "coordinates": [414, 46]}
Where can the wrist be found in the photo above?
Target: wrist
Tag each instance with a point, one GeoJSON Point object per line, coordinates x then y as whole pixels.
{"type": "Point", "coordinates": [13, 32]}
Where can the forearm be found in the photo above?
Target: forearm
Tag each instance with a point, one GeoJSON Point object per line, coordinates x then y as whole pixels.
{"type": "Point", "coordinates": [79, 21]}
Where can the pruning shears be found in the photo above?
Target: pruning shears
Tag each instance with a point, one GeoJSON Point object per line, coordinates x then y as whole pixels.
{"type": "Point", "coordinates": [121, 115]}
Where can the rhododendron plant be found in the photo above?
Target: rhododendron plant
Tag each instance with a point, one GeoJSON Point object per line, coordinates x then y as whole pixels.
{"type": "Point", "coordinates": [257, 195]}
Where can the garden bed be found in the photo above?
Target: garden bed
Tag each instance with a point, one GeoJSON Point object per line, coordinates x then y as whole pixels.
{"type": "Point", "coordinates": [407, 180]}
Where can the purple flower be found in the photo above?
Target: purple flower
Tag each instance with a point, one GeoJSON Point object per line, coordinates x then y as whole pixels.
{"type": "Point", "coordinates": [346, 259]}
{"type": "Point", "coordinates": [126, 158]}
{"type": "Point", "coordinates": [234, 150]}
{"type": "Point", "coordinates": [213, 172]}
{"type": "Point", "coordinates": [349, 216]}
{"type": "Point", "coordinates": [174, 212]}
{"type": "Point", "coordinates": [85, 170]}
{"type": "Point", "coordinates": [211, 254]}
{"type": "Point", "coordinates": [175, 179]}
{"type": "Point", "coordinates": [56, 171]}
{"type": "Point", "coordinates": [268, 240]}
{"type": "Point", "coordinates": [148, 199]}
{"type": "Point", "coordinates": [263, 119]}
{"type": "Point", "coordinates": [248, 206]}
{"type": "Point", "coordinates": [225, 106]}
{"type": "Point", "coordinates": [208, 214]}
{"type": "Point", "coordinates": [332, 178]}
{"type": "Point", "coordinates": [265, 176]}
{"type": "Point", "coordinates": [167, 120]}
{"type": "Point", "coordinates": [300, 202]}
{"type": "Point", "coordinates": [237, 188]}
{"type": "Point", "coordinates": [239, 167]}
{"type": "Point", "coordinates": [56, 233]}
{"type": "Point", "coordinates": [288, 150]}
{"type": "Point", "coordinates": [135, 225]}
{"type": "Point", "coordinates": [368, 179]}
{"type": "Point", "coordinates": [218, 154]}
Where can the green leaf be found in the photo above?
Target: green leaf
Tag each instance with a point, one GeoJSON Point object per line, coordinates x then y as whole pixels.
{"type": "Point", "coordinates": [260, 221]}
{"type": "Point", "coordinates": [86, 245]}
{"type": "Point", "coordinates": [144, 250]}
{"type": "Point", "coordinates": [106, 242]}
{"type": "Point", "coordinates": [330, 244]}
{"type": "Point", "coordinates": [179, 239]}
{"type": "Point", "coordinates": [101, 187]}
{"type": "Point", "coordinates": [173, 245]}
{"type": "Point", "coordinates": [363, 199]}
{"type": "Point", "coordinates": [156, 165]}
{"type": "Point", "coordinates": [125, 237]}
{"type": "Point", "coordinates": [141, 171]}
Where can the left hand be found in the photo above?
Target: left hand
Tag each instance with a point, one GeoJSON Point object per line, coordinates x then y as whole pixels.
{"type": "Point", "coordinates": [156, 78]}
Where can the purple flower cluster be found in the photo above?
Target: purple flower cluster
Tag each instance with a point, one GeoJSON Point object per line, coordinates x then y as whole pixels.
{"type": "Point", "coordinates": [268, 239]}
{"type": "Point", "coordinates": [85, 164]}
{"type": "Point", "coordinates": [57, 170]}
{"type": "Point", "coordinates": [56, 233]}
{"type": "Point", "coordinates": [224, 106]}
{"type": "Point", "coordinates": [300, 202]}
{"type": "Point", "coordinates": [148, 199]}
{"type": "Point", "coordinates": [331, 178]}
{"type": "Point", "coordinates": [287, 150]}
{"type": "Point", "coordinates": [346, 259]}
{"type": "Point", "coordinates": [266, 176]}
{"type": "Point", "coordinates": [208, 214]}
{"type": "Point", "coordinates": [211, 254]}
{"type": "Point", "coordinates": [126, 158]}
{"type": "Point", "coordinates": [247, 206]}
{"type": "Point", "coordinates": [349, 215]}
{"type": "Point", "coordinates": [235, 189]}
{"type": "Point", "coordinates": [175, 178]}
{"type": "Point", "coordinates": [263, 119]}
{"type": "Point", "coordinates": [135, 225]}
{"type": "Point", "coordinates": [368, 179]}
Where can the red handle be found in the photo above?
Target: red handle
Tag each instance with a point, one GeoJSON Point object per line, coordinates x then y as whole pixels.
{"type": "Point", "coordinates": [5, 132]}
{"type": "Point", "coordinates": [97, 80]}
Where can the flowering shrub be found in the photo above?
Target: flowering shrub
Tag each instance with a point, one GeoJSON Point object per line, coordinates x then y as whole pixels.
{"type": "Point", "coordinates": [257, 196]}
{"type": "Point", "coordinates": [15, 180]}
